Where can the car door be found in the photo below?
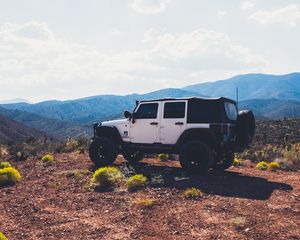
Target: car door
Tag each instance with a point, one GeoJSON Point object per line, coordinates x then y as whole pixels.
{"type": "Point", "coordinates": [173, 121]}
{"type": "Point", "coordinates": [145, 127]}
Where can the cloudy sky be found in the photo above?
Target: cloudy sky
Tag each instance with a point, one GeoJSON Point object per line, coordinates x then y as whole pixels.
{"type": "Point", "coordinates": [66, 49]}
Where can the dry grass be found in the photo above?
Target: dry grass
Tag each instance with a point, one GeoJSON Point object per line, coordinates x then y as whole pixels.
{"type": "Point", "coordinates": [193, 193]}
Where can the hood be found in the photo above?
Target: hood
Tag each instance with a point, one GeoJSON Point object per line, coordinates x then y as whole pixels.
{"type": "Point", "coordinates": [115, 122]}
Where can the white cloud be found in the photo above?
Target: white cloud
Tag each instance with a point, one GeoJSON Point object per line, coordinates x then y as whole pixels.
{"type": "Point", "coordinates": [149, 6]}
{"type": "Point", "coordinates": [221, 14]}
{"type": "Point", "coordinates": [37, 65]}
{"type": "Point", "coordinates": [247, 5]}
{"type": "Point", "coordinates": [288, 15]}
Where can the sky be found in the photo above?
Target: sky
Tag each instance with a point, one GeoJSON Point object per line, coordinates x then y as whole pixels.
{"type": "Point", "coordinates": [68, 49]}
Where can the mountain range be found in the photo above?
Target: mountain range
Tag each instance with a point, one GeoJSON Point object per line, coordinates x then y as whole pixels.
{"type": "Point", "coordinates": [269, 96]}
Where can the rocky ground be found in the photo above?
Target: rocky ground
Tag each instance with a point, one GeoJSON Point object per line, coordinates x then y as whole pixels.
{"type": "Point", "coordinates": [56, 202]}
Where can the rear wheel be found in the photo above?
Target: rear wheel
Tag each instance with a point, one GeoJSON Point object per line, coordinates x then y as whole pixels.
{"type": "Point", "coordinates": [225, 162]}
{"type": "Point", "coordinates": [103, 151]}
{"type": "Point", "coordinates": [196, 157]}
{"type": "Point", "coordinates": [133, 156]}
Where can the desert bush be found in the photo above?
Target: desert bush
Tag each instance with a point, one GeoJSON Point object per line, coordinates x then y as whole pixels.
{"type": "Point", "coordinates": [136, 182]}
{"type": "Point", "coordinates": [47, 159]}
{"type": "Point", "coordinates": [262, 165]}
{"type": "Point", "coordinates": [144, 202]}
{"type": "Point", "coordinates": [2, 237]}
{"type": "Point", "coordinates": [5, 165]}
{"type": "Point", "coordinates": [273, 166]}
{"type": "Point", "coordinates": [236, 161]}
{"type": "Point", "coordinates": [4, 152]}
{"type": "Point", "coordinates": [193, 193]}
{"type": "Point", "coordinates": [107, 177]}
{"type": "Point", "coordinates": [9, 176]}
{"type": "Point", "coordinates": [239, 222]}
{"type": "Point", "coordinates": [71, 145]}
{"type": "Point", "coordinates": [292, 154]}
{"type": "Point", "coordinates": [163, 156]}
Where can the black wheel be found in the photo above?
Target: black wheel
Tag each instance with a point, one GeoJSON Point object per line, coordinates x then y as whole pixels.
{"type": "Point", "coordinates": [196, 157]}
{"type": "Point", "coordinates": [226, 161]}
{"type": "Point", "coordinates": [103, 151]}
{"type": "Point", "coordinates": [133, 156]}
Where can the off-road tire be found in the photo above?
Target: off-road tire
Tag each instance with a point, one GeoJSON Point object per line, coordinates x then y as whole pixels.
{"type": "Point", "coordinates": [103, 151]}
{"type": "Point", "coordinates": [133, 156]}
{"type": "Point", "coordinates": [196, 157]}
{"type": "Point", "coordinates": [226, 161]}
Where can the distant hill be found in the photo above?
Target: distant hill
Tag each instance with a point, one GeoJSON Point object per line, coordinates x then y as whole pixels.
{"type": "Point", "coordinates": [272, 108]}
{"type": "Point", "coordinates": [13, 131]}
{"type": "Point", "coordinates": [16, 100]}
{"type": "Point", "coordinates": [88, 110]}
{"type": "Point", "coordinates": [269, 96]}
{"type": "Point", "coordinates": [253, 86]}
{"type": "Point", "coordinates": [53, 127]}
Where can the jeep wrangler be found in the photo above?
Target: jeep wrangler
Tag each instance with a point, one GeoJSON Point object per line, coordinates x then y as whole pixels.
{"type": "Point", "coordinates": [204, 132]}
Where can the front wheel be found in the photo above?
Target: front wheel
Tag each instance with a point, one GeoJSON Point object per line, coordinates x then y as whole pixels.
{"type": "Point", "coordinates": [103, 151]}
{"type": "Point", "coordinates": [196, 157]}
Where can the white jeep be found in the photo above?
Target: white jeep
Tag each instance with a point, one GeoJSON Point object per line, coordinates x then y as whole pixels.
{"type": "Point", "coordinates": [204, 132]}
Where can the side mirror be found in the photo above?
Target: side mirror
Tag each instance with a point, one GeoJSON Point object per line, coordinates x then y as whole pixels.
{"type": "Point", "coordinates": [127, 114]}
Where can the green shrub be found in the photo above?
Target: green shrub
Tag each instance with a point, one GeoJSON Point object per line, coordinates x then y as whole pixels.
{"type": "Point", "coordinates": [2, 237]}
{"type": "Point", "coordinates": [47, 159]}
{"type": "Point", "coordinates": [193, 193]}
{"type": "Point", "coordinates": [273, 166]}
{"type": "Point", "coordinates": [236, 162]}
{"type": "Point", "coordinates": [107, 177]}
{"type": "Point", "coordinates": [163, 156]}
{"type": "Point", "coordinates": [262, 165]}
{"type": "Point", "coordinates": [5, 165]}
{"type": "Point", "coordinates": [9, 176]}
{"type": "Point", "coordinates": [144, 202]}
{"type": "Point", "coordinates": [136, 182]}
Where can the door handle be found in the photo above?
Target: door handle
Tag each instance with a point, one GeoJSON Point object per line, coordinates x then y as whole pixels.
{"type": "Point", "coordinates": [154, 123]}
{"type": "Point", "coordinates": [179, 123]}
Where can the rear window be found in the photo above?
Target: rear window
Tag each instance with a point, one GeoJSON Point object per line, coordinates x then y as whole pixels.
{"type": "Point", "coordinates": [231, 111]}
{"type": "Point", "coordinates": [174, 110]}
{"type": "Point", "coordinates": [204, 111]}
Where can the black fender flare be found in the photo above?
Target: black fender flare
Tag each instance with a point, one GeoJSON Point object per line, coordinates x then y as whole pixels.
{"type": "Point", "coordinates": [108, 132]}
{"type": "Point", "coordinates": [207, 135]}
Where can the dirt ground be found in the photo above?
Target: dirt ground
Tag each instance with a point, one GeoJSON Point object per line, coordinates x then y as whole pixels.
{"type": "Point", "coordinates": [242, 203]}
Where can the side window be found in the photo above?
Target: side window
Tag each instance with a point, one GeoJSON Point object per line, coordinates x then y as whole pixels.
{"type": "Point", "coordinates": [231, 111]}
{"type": "Point", "coordinates": [147, 111]}
{"type": "Point", "coordinates": [174, 110]}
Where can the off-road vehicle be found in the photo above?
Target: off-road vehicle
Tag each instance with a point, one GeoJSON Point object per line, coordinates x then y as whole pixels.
{"type": "Point", "coordinates": [204, 132]}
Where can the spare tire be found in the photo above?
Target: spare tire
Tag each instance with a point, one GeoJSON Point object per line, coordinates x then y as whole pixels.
{"type": "Point", "coordinates": [245, 128]}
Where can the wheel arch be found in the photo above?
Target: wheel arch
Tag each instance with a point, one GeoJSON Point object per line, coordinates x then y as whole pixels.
{"type": "Point", "coordinates": [205, 135]}
{"type": "Point", "coordinates": [108, 132]}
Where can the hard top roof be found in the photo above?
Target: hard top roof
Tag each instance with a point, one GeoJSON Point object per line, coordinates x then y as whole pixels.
{"type": "Point", "coordinates": [221, 99]}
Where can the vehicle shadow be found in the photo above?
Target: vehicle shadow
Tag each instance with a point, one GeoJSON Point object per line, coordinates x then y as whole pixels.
{"type": "Point", "coordinates": [229, 184]}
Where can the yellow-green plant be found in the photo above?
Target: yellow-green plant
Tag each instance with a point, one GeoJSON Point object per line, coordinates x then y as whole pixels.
{"type": "Point", "coordinates": [236, 161]}
{"type": "Point", "coordinates": [2, 237]}
{"type": "Point", "coordinates": [47, 159]}
{"type": "Point", "coordinates": [193, 193]}
{"type": "Point", "coordinates": [262, 165]}
{"type": "Point", "coordinates": [136, 181]}
{"type": "Point", "coordinates": [163, 156]}
{"type": "Point", "coordinates": [5, 165]}
{"type": "Point", "coordinates": [273, 166]}
{"type": "Point", "coordinates": [107, 177]}
{"type": "Point", "coordinates": [9, 176]}
{"type": "Point", "coordinates": [144, 202]}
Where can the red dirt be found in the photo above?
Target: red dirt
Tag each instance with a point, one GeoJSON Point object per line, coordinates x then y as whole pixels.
{"type": "Point", "coordinates": [241, 203]}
